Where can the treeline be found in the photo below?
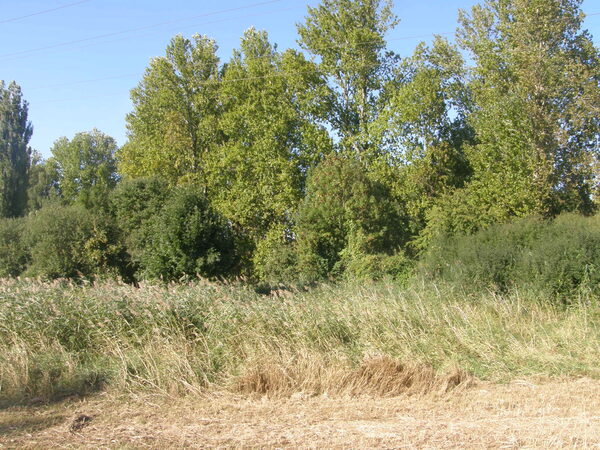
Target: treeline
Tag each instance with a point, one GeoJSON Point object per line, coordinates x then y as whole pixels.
{"type": "Point", "coordinates": [344, 160]}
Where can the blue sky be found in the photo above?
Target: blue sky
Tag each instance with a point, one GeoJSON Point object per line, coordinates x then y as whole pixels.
{"type": "Point", "coordinates": [85, 84]}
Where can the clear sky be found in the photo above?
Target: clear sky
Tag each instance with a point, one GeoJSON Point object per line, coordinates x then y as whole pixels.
{"type": "Point", "coordinates": [77, 60]}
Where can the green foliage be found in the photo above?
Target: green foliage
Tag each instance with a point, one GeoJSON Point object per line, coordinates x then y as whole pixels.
{"type": "Point", "coordinates": [559, 259]}
{"type": "Point", "coordinates": [275, 258]}
{"type": "Point", "coordinates": [246, 132]}
{"type": "Point", "coordinates": [357, 262]}
{"type": "Point", "coordinates": [341, 204]}
{"type": "Point", "coordinates": [533, 91]}
{"type": "Point", "coordinates": [565, 261]}
{"type": "Point", "coordinates": [56, 235]}
{"type": "Point", "coordinates": [86, 168]}
{"type": "Point", "coordinates": [135, 203]}
{"type": "Point", "coordinates": [15, 132]}
{"type": "Point", "coordinates": [533, 87]}
{"type": "Point", "coordinates": [348, 36]}
{"type": "Point", "coordinates": [174, 121]}
{"type": "Point", "coordinates": [423, 129]}
{"type": "Point", "coordinates": [43, 182]}
{"type": "Point", "coordinates": [14, 254]}
{"type": "Point", "coordinates": [342, 164]}
{"type": "Point", "coordinates": [188, 239]}
{"type": "Point", "coordinates": [257, 174]}
{"type": "Point", "coordinates": [72, 242]}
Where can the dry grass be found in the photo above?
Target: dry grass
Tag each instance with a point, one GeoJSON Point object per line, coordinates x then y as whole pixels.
{"type": "Point", "coordinates": [59, 340]}
{"type": "Point", "coordinates": [208, 365]}
{"type": "Point", "coordinates": [378, 376]}
{"type": "Point", "coordinates": [526, 413]}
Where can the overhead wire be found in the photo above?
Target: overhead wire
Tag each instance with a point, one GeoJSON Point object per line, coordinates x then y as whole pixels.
{"type": "Point", "coordinates": [280, 74]}
{"type": "Point", "coordinates": [228, 19]}
{"type": "Point", "coordinates": [201, 83]}
{"type": "Point", "coordinates": [26, 53]}
{"type": "Point", "coordinates": [93, 80]}
{"type": "Point", "coordinates": [45, 11]}
{"type": "Point", "coordinates": [132, 30]}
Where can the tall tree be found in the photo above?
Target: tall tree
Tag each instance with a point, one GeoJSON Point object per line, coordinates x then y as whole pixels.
{"type": "Point", "coordinates": [174, 121]}
{"type": "Point", "coordinates": [423, 128]}
{"type": "Point", "coordinates": [348, 36]}
{"type": "Point", "coordinates": [43, 182]}
{"type": "Point", "coordinates": [86, 168]}
{"type": "Point", "coordinates": [536, 92]}
{"type": "Point", "coordinates": [15, 132]}
{"type": "Point", "coordinates": [257, 174]}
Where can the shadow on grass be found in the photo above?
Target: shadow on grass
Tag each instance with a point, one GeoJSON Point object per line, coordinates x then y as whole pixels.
{"type": "Point", "coordinates": [21, 422]}
{"type": "Point", "coordinates": [74, 388]}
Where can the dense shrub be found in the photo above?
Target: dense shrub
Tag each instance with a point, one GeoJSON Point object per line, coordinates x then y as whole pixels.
{"type": "Point", "coordinates": [275, 257]}
{"type": "Point", "coordinates": [559, 258]}
{"type": "Point", "coordinates": [13, 251]}
{"type": "Point", "coordinates": [188, 238]}
{"type": "Point", "coordinates": [342, 202]}
{"type": "Point", "coordinates": [356, 263]}
{"type": "Point", "coordinates": [135, 204]}
{"type": "Point", "coordinates": [565, 260]}
{"type": "Point", "coordinates": [72, 242]}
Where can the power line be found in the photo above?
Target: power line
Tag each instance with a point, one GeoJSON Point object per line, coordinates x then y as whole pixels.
{"type": "Point", "coordinates": [93, 97]}
{"type": "Point", "coordinates": [131, 30]}
{"type": "Point", "coordinates": [25, 53]}
{"type": "Point", "coordinates": [240, 79]}
{"type": "Point", "coordinates": [94, 80]}
{"type": "Point", "coordinates": [422, 36]}
{"type": "Point", "coordinates": [45, 11]}
{"type": "Point", "coordinates": [148, 33]}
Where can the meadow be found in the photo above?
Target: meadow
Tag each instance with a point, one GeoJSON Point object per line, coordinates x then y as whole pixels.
{"type": "Point", "coordinates": [62, 339]}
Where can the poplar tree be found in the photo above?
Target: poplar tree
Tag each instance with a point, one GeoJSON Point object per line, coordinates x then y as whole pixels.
{"type": "Point", "coordinates": [86, 168]}
{"type": "Point", "coordinates": [15, 132]}
{"type": "Point", "coordinates": [348, 38]}
{"type": "Point", "coordinates": [535, 89]}
{"type": "Point", "coordinates": [257, 175]}
{"type": "Point", "coordinates": [423, 129]}
{"type": "Point", "coordinates": [175, 109]}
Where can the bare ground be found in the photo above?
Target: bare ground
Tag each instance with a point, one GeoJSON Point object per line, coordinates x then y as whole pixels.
{"type": "Point", "coordinates": [522, 414]}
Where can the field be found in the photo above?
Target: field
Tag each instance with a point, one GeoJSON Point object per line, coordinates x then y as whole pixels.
{"type": "Point", "coordinates": [222, 365]}
{"type": "Point", "coordinates": [521, 414]}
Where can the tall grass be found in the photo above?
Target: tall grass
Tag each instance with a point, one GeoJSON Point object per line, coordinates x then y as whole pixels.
{"type": "Point", "coordinates": [58, 339]}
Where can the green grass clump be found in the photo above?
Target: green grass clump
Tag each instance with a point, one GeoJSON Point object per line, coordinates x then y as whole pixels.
{"type": "Point", "coordinates": [59, 339]}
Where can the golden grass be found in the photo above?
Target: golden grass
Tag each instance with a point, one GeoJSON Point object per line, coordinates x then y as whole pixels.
{"type": "Point", "coordinates": [526, 413]}
{"type": "Point", "coordinates": [59, 340]}
{"type": "Point", "coordinates": [377, 376]}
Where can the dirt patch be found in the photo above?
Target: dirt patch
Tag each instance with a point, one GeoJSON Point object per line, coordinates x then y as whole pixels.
{"type": "Point", "coordinates": [524, 413]}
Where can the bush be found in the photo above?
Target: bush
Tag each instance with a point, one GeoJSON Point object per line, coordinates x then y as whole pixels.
{"type": "Point", "coordinates": [13, 251]}
{"type": "Point", "coordinates": [187, 239]}
{"type": "Point", "coordinates": [357, 264]}
{"type": "Point", "coordinates": [135, 204]}
{"type": "Point", "coordinates": [71, 242]}
{"type": "Point", "coordinates": [341, 201]}
{"type": "Point", "coordinates": [565, 260]}
{"type": "Point", "coordinates": [275, 258]}
{"type": "Point", "coordinates": [559, 258]}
